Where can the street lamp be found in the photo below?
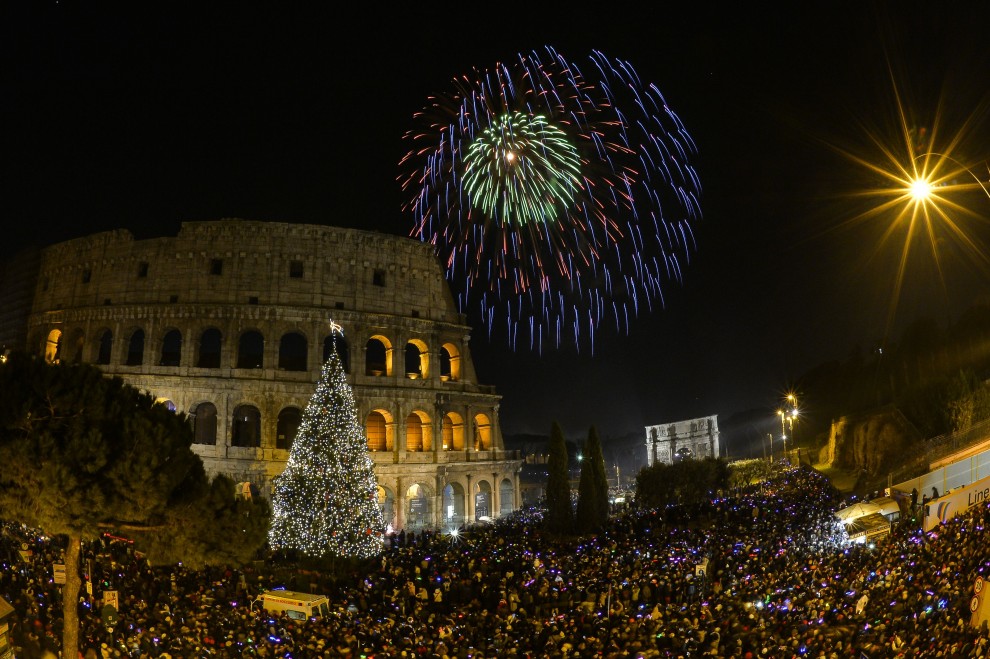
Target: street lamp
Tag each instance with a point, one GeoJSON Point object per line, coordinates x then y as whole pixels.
{"type": "Point", "coordinates": [783, 428]}
{"type": "Point", "coordinates": [787, 417]}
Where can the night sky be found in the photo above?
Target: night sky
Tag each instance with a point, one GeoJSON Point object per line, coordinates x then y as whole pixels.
{"type": "Point", "coordinates": [152, 114]}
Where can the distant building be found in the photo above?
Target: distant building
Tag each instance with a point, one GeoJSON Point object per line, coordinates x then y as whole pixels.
{"type": "Point", "coordinates": [680, 440]}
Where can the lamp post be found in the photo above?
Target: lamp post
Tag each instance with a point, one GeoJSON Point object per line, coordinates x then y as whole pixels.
{"type": "Point", "coordinates": [787, 416]}
{"type": "Point", "coordinates": [792, 399]}
{"type": "Point", "coordinates": [783, 428]}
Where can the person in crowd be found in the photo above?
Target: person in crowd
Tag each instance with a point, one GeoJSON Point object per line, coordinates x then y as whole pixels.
{"type": "Point", "coordinates": [784, 583]}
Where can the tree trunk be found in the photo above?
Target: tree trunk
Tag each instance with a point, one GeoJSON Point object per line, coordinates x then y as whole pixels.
{"type": "Point", "coordinates": [70, 598]}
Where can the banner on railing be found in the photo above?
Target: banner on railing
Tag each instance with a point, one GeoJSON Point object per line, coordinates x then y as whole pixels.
{"type": "Point", "coordinates": [956, 502]}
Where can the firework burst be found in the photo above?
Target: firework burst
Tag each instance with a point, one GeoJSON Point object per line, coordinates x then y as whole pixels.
{"type": "Point", "coordinates": [556, 198]}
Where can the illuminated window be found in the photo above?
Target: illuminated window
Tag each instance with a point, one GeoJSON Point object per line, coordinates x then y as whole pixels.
{"type": "Point", "coordinates": [375, 430]}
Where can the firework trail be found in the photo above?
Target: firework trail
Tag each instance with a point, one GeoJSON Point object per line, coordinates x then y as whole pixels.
{"type": "Point", "coordinates": [557, 197]}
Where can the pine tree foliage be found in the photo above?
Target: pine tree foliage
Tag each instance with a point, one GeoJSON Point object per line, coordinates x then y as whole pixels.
{"type": "Point", "coordinates": [685, 483]}
{"type": "Point", "coordinates": [325, 502]}
{"type": "Point", "coordinates": [82, 454]}
{"type": "Point", "coordinates": [559, 517]}
{"type": "Point", "coordinates": [586, 516]}
{"type": "Point", "coordinates": [80, 450]}
{"type": "Point", "coordinates": [592, 506]}
{"type": "Point", "coordinates": [593, 453]}
{"type": "Point", "coordinates": [228, 530]}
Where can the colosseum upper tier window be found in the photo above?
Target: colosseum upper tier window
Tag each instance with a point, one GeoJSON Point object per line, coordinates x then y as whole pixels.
{"type": "Point", "coordinates": [376, 430]}
{"type": "Point", "coordinates": [296, 269]}
{"type": "Point", "coordinates": [292, 352]}
{"type": "Point", "coordinates": [376, 355]}
{"type": "Point", "coordinates": [135, 348]}
{"type": "Point", "coordinates": [104, 347]}
{"type": "Point", "coordinates": [209, 349]}
{"type": "Point", "coordinates": [171, 348]}
{"type": "Point", "coordinates": [288, 425]}
{"type": "Point", "coordinates": [251, 350]}
{"type": "Point", "coordinates": [205, 423]}
{"type": "Point", "coordinates": [246, 427]}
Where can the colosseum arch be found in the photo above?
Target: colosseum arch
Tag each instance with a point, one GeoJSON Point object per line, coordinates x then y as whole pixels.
{"type": "Point", "coordinates": [53, 346]}
{"type": "Point", "coordinates": [287, 427]}
{"type": "Point", "coordinates": [450, 362]}
{"type": "Point", "coordinates": [379, 427]}
{"type": "Point", "coordinates": [386, 502]}
{"type": "Point", "coordinates": [452, 514]}
{"type": "Point", "coordinates": [135, 348]}
{"type": "Point", "coordinates": [419, 507]}
{"type": "Point", "coordinates": [506, 497]}
{"type": "Point", "coordinates": [337, 342]}
{"type": "Point", "coordinates": [251, 350]}
{"type": "Point", "coordinates": [453, 432]}
{"type": "Point", "coordinates": [171, 354]}
{"type": "Point", "coordinates": [74, 347]}
{"type": "Point", "coordinates": [482, 433]}
{"type": "Point", "coordinates": [205, 424]}
{"type": "Point", "coordinates": [209, 348]}
{"type": "Point", "coordinates": [36, 342]}
{"type": "Point", "coordinates": [104, 347]}
{"type": "Point", "coordinates": [245, 427]}
{"type": "Point", "coordinates": [293, 352]}
{"type": "Point", "coordinates": [378, 356]}
{"type": "Point", "coordinates": [419, 431]}
{"type": "Point", "coordinates": [417, 360]}
{"type": "Point", "coordinates": [484, 503]}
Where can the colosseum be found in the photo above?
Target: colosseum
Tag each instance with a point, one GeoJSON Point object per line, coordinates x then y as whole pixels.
{"type": "Point", "coordinates": [231, 321]}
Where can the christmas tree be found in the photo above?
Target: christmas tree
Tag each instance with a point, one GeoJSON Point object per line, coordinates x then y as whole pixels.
{"type": "Point", "coordinates": [325, 503]}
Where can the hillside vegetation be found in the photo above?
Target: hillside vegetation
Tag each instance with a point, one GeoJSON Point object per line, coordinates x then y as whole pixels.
{"type": "Point", "coordinates": [879, 413]}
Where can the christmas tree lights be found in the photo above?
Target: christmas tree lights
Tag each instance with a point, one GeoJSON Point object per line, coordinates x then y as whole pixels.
{"type": "Point", "coordinates": [325, 503]}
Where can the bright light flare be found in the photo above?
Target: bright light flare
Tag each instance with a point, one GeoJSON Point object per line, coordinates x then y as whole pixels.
{"type": "Point", "coordinates": [920, 189]}
{"type": "Point", "coordinates": [921, 198]}
{"type": "Point", "coordinates": [559, 195]}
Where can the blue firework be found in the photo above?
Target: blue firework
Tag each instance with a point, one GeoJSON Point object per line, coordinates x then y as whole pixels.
{"type": "Point", "coordinates": [558, 197]}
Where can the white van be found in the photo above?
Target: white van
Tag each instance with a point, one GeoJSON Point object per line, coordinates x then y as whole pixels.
{"type": "Point", "coordinates": [296, 605]}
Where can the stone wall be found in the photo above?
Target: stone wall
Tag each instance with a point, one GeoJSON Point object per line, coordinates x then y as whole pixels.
{"type": "Point", "coordinates": [875, 442]}
{"type": "Point", "coordinates": [142, 309]}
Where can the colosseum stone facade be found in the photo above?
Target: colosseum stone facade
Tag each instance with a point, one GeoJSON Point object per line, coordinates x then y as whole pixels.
{"type": "Point", "coordinates": [230, 322]}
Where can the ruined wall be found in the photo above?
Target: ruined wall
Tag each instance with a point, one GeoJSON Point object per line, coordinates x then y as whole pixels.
{"type": "Point", "coordinates": [875, 442]}
{"type": "Point", "coordinates": [95, 296]}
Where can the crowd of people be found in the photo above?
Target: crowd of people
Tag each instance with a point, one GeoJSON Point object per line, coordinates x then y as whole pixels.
{"type": "Point", "coordinates": [765, 571]}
